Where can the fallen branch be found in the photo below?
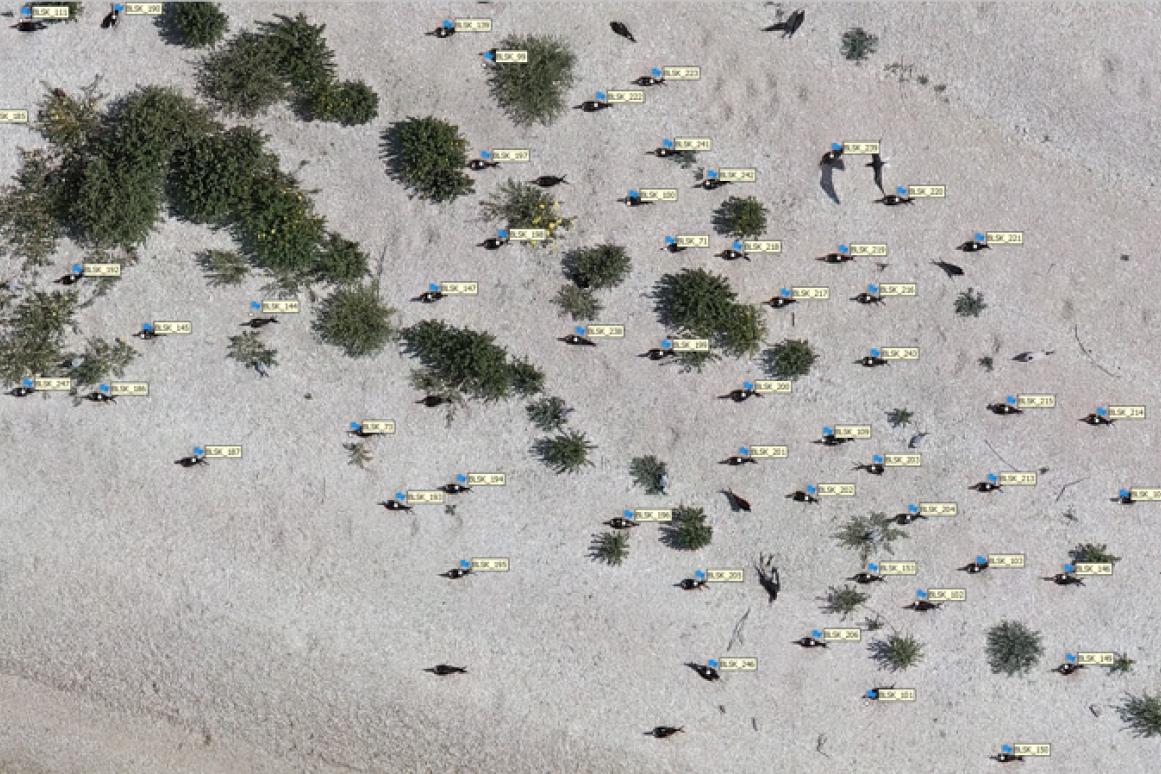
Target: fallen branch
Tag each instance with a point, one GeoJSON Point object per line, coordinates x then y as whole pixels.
{"type": "Point", "coordinates": [1091, 359]}
{"type": "Point", "coordinates": [1066, 486]}
{"type": "Point", "coordinates": [993, 448]}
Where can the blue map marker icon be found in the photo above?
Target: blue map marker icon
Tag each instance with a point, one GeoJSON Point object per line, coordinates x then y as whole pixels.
{"type": "Point", "coordinates": [465, 564]}
{"type": "Point", "coordinates": [872, 566]}
{"type": "Point", "coordinates": [737, 244]}
{"type": "Point", "coordinates": [784, 292]}
{"type": "Point", "coordinates": [486, 154]}
{"type": "Point", "coordinates": [489, 55]}
{"type": "Point", "coordinates": [356, 426]}
{"type": "Point", "coordinates": [461, 478]}
{"type": "Point", "coordinates": [448, 24]}
{"type": "Point", "coordinates": [836, 146]}
{"type": "Point", "coordinates": [666, 143]}
{"type": "Point", "coordinates": [981, 236]}
{"type": "Point", "coordinates": [255, 305]}
{"type": "Point", "coordinates": [981, 559]}
{"type": "Point", "coordinates": [401, 496]}
{"type": "Point", "coordinates": [844, 249]}
{"type": "Point", "coordinates": [816, 634]}
{"type": "Point", "coordinates": [877, 459]}
{"type": "Point", "coordinates": [666, 344]}
{"type": "Point", "coordinates": [699, 574]}
{"type": "Point", "coordinates": [433, 287]}
{"type": "Point", "coordinates": [601, 96]}
{"type": "Point", "coordinates": [655, 72]}
{"type": "Point", "coordinates": [874, 351]}
{"type": "Point", "coordinates": [580, 330]}
{"type": "Point", "coordinates": [901, 190]}
{"type": "Point", "coordinates": [670, 240]}
{"type": "Point", "coordinates": [198, 451]}
{"type": "Point", "coordinates": [711, 173]}
{"type": "Point", "coordinates": [747, 385]}
{"type": "Point", "coordinates": [912, 508]}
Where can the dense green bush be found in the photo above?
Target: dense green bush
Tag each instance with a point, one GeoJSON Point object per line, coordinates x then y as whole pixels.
{"type": "Point", "coordinates": [742, 217]}
{"type": "Point", "coordinates": [789, 359]}
{"type": "Point", "coordinates": [32, 342]}
{"type": "Point", "coordinates": [1141, 714]}
{"type": "Point", "coordinates": [565, 452]}
{"type": "Point", "coordinates": [353, 319]}
{"type": "Point", "coordinates": [350, 103]}
{"type": "Point", "coordinates": [688, 531]}
{"type": "Point", "coordinates": [428, 155]}
{"type": "Point", "coordinates": [647, 473]}
{"type": "Point", "coordinates": [242, 78]}
{"type": "Point", "coordinates": [897, 652]}
{"type": "Point", "coordinates": [843, 601]}
{"type": "Point", "coordinates": [548, 413]}
{"type": "Point", "coordinates": [211, 179]}
{"type": "Point", "coordinates": [578, 303]}
{"type": "Point", "coordinates": [223, 267]}
{"type": "Point", "coordinates": [278, 227]}
{"type": "Point", "coordinates": [521, 205]}
{"type": "Point", "coordinates": [109, 203]}
{"type": "Point", "coordinates": [300, 53]}
{"type": "Point", "coordinates": [702, 304]}
{"type": "Point", "coordinates": [1013, 648]}
{"type": "Point", "coordinates": [597, 268]}
{"type": "Point", "coordinates": [69, 122]}
{"type": "Point", "coordinates": [340, 260]}
{"type": "Point", "coordinates": [149, 124]}
{"type": "Point", "coordinates": [28, 225]}
{"type": "Point", "coordinates": [533, 92]}
{"type": "Point", "coordinates": [100, 360]}
{"type": "Point", "coordinates": [193, 24]}
{"type": "Point", "coordinates": [527, 379]}
{"type": "Point", "coordinates": [461, 359]}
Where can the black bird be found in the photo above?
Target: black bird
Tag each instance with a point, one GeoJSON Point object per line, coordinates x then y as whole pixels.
{"type": "Point", "coordinates": [454, 488]}
{"type": "Point", "coordinates": [428, 297]}
{"type": "Point", "coordinates": [874, 468]}
{"type": "Point", "coordinates": [395, 505]}
{"type": "Point", "coordinates": [799, 496]}
{"type": "Point", "coordinates": [692, 584]}
{"type": "Point", "coordinates": [778, 302]}
{"type": "Point", "coordinates": [876, 163]}
{"type": "Point", "coordinates": [950, 269]}
{"type": "Point", "coordinates": [101, 397]}
{"type": "Point", "coordinates": [923, 605]}
{"type": "Point", "coordinates": [833, 440]}
{"type": "Point", "coordinates": [633, 201]}
{"type": "Point", "coordinates": [707, 673]}
{"type": "Point", "coordinates": [622, 30]}
{"type": "Point", "coordinates": [712, 183]}
{"type": "Point", "coordinates": [147, 333]}
{"type": "Point", "coordinates": [1030, 357]}
{"type": "Point", "coordinates": [663, 732]}
{"type": "Point", "coordinates": [30, 26]}
{"type": "Point", "coordinates": [809, 642]}
{"type": "Point", "coordinates": [576, 340]}
{"type": "Point", "coordinates": [21, 392]}
{"type": "Point", "coordinates": [673, 247]}
{"type": "Point", "coordinates": [1097, 419]}
{"type": "Point", "coordinates": [649, 80]}
{"type": "Point", "coordinates": [864, 578]}
{"type": "Point", "coordinates": [974, 568]}
{"type": "Point", "coordinates": [69, 279]}
{"type": "Point", "coordinates": [972, 246]}
{"type": "Point", "coordinates": [191, 461]}
{"type": "Point", "coordinates": [1068, 668]}
{"type": "Point", "coordinates": [657, 353]}
{"type": "Point", "coordinates": [662, 153]}
{"type": "Point", "coordinates": [591, 106]}
{"type": "Point", "coordinates": [457, 572]}
{"type": "Point", "coordinates": [831, 156]}
{"type": "Point", "coordinates": [732, 255]}
{"type": "Point", "coordinates": [431, 401]}
{"type": "Point", "coordinates": [906, 518]}
{"type": "Point", "coordinates": [986, 486]}
{"type": "Point", "coordinates": [111, 19]}
{"type": "Point", "coordinates": [872, 361]}
{"type": "Point", "coordinates": [826, 178]}
{"type": "Point", "coordinates": [867, 298]}
{"type": "Point", "coordinates": [1006, 757]}
{"type": "Point", "coordinates": [478, 164]}
{"type": "Point", "coordinates": [548, 181]}
{"type": "Point", "coordinates": [836, 258]}
{"type": "Point", "coordinates": [768, 577]}
{"type": "Point", "coordinates": [493, 243]}
{"type": "Point", "coordinates": [788, 27]}
{"type": "Point", "coordinates": [259, 322]}
{"type": "Point", "coordinates": [441, 32]}
{"type": "Point", "coordinates": [891, 200]}
{"type": "Point", "coordinates": [736, 459]}
{"type": "Point", "coordinates": [620, 522]}
{"type": "Point", "coordinates": [444, 669]}
{"type": "Point", "coordinates": [1003, 409]}
{"type": "Point", "coordinates": [737, 503]}
{"type": "Point", "coordinates": [737, 396]}
{"type": "Point", "coordinates": [1065, 579]}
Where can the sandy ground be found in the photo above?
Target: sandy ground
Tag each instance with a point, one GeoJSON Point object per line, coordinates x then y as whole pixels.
{"type": "Point", "coordinates": [266, 615]}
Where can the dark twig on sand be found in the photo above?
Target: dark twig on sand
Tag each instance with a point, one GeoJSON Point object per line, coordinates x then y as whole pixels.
{"type": "Point", "coordinates": [1091, 359]}
{"type": "Point", "coordinates": [818, 743]}
{"type": "Point", "coordinates": [1066, 486]}
{"type": "Point", "coordinates": [737, 635]}
{"type": "Point", "coordinates": [993, 448]}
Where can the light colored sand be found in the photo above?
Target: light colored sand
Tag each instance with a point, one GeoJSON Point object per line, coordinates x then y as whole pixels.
{"type": "Point", "coordinates": [269, 604]}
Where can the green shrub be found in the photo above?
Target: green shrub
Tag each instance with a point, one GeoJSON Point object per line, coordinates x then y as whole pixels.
{"type": "Point", "coordinates": [193, 24]}
{"type": "Point", "coordinates": [597, 268]}
{"type": "Point", "coordinates": [358, 454]}
{"type": "Point", "coordinates": [101, 360]}
{"type": "Point", "coordinates": [970, 303]}
{"type": "Point", "coordinates": [610, 547]}
{"type": "Point", "coordinates": [578, 303]}
{"type": "Point", "coordinates": [742, 217]}
{"type": "Point", "coordinates": [223, 267]}
{"type": "Point", "coordinates": [349, 103]}
{"type": "Point", "coordinates": [647, 472]}
{"type": "Point", "coordinates": [858, 44]}
{"type": "Point", "coordinates": [149, 124]}
{"type": "Point", "coordinates": [742, 331]}
{"type": "Point", "coordinates": [565, 452]}
{"type": "Point", "coordinates": [548, 413]}
{"type": "Point", "coordinates": [688, 531]}
{"type": "Point", "coordinates": [1142, 714]}
{"type": "Point", "coordinates": [300, 53]}
{"type": "Point", "coordinates": [1093, 552]}
{"type": "Point", "coordinates": [242, 78]}
{"type": "Point", "coordinates": [28, 226]}
{"type": "Point", "coordinates": [527, 380]}
{"type": "Point", "coordinates": [428, 156]}
{"type": "Point", "coordinates": [701, 303]}
{"type": "Point", "coordinates": [533, 92]}
{"type": "Point", "coordinates": [353, 319]}
{"type": "Point", "coordinates": [278, 228]}
{"type": "Point", "coordinates": [899, 417]}
{"type": "Point", "coordinates": [247, 348]}
{"type": "Point", "coordinates": [865, 534]}
{"type": "Point", "coordinates": [461, 359]}
{"type": "Point", "coordinates": [897, 652]}
{"type": "Point", "coordinates": [844, 601]}
{"type": "Point", "coordinates": [1121, 664]}
{"type": "Point", "coordinates": [212, 179]}
{"type": "Point", "coordinates": [69, 122]}
{"type": "Point", "coordinates": [521, 205]}
{"type": "Point", "coordinates": [1013, 648]}
{"type": "Point", "coordinates": [341, 260]}
{"type": "Point", "coordinates": [32, 343]}
{"type": "Point", "coordinates": [110, 205]}
{"type": "Point", "coordinates": [695, 360]}
{"type": "Point", "coordinates": [789, 359]}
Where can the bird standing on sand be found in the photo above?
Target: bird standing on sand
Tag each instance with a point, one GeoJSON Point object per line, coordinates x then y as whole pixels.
{"type": "Point", "coordinates": [112, 17]}
{"type": "Point", "coordinates": [477, 165]}
{"type": "Point", "coordinates": [788, 27]}
{"type": "Point", "coordinates": [548, 181]}
{"type": "Point", "coordinates": [664, 732]}
{"type": "Point", "coordinates": [575, 340]}
{"type": "Point", "coordinates": [259, 322]}
{"type": "Point", "coordinates": [29, 26]}
{"type": "Point", "coordinates": [707, 673]}
{"type": "Point", "coordinates": [444, 669]}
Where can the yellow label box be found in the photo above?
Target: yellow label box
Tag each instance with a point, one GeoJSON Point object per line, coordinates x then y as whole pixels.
{"type": "Point", "coordinates": [605, 331]}
{"type": "Point", "coordinates": [425, 497]}
{"type": "Point", "coordinates": [1146, 494]}
{"type": "Point", "coordinates": [724, 576]}
{"type": "Point", "coordinates": [142, 9]}
{"type": "Point", "coordinates": [852, 431]}
{"type": "Point", "coordinates": [280, 306]}
{"type": "Point", "coordinates": [102, 269]}
{"type": "Point", "coordinates": [459, 288]}
{"type": "Point", "coordinates": [896, 567]}
{"type": "Point", "coordinates": [50, 12]}
{"type": "Point", "coordinates": [624, 96]}
{"type": "Point", "coordinates": [657, 194]}
{"type": "Point", "coordinates": [738, 174]}
{"type": "Point", "coordinates": [173, 327]}
{"type": "Point", "coordinates": [1004, 237]}
{"type": "Point", "coordinates": [737, 664]}
{"type": "Point", "coordinates": [762, 246]}
{"type": "Point", "coordinates": [511, 154]}
{"type": "Point", "coordinates": [1032, 750]}
{"type": "Point", "coordinates": [129, 389]}
{"type": "Point", "coordinates": [1035, 401]}
{"type": "Point", "coordinates": [842, 634]}
{"type": "Point", "coordinates": [861, 148]}
{"type": "Point", "coordinates": [1096, 659]}
{"type": "Point", "coordinates": [653, 514]}
{"type": "Point", "coordinates": [946, 595]}
{"type": "Point", "coordinates": [896, 694]}
{"type": "Point", "coordinates": [527, 234]}
{"type": "Point", "coordinates": [690, 345]}
{"type": "Point", "coordinates": [898, 289]}
{"type": "Point", "coordinates": [1018, 478]}
{"type": "Point", "coordinates": [511, 57]}
{"type": "Point", "coordinates": [13, 116]}
{"type": "Point", "coordinates": [473, 25]}
{"type": "Point", "coordinates": [681, 73]}
{"type": "Point", "coordinates": [1093, 568]}
{"type": "Point", "coordinates": [773, 385]}
{"type": "Point", "coordinates": [769, 452]}
{"type": "Point", "coordinates": [836, 490]}
{"type": "Point", "coordinates": [902, 460]}
{"type": "Point", "coordinates": [938, 509]}
{"type": "Point", "coordinates": [378, 426]}
{"type": "Point", "coordinates": [1126, 412]}
{"type": "Point", "coordinates": [222, 452]}
{"type": "Point", "coordinates": [1006, 561]}
{"type": "Point", "coordinates": [810, 293]}
{"type": "Point", "coordinates": [693, 143]}
{"type": "Point", "coordinates": [692, 240]}
{"type": "Point", "coordinates": [52, 384]}
{"type": "Point", "coordinates": [926, 191]}
{"type": "Point", "coordinates": [491, 564]}
{"type": "Point", "coordinates": [868, 250]}
{"type": "Point", "coordinates": [899, 353]}
{"type": "Point", "coordinates": [487, 479]}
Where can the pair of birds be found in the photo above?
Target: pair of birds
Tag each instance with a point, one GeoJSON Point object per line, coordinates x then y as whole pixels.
{"type": "Point", "coordinates": [832, 160]}
{"type": "Point", "coordinates": [35, 25]}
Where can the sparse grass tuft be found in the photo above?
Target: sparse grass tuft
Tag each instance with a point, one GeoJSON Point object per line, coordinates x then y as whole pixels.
{"type": "Point", "coordinates": [858, 44]}
{"type": "Point", "coordinates": [866, 534]}
{"type": "Point", "coordinates": [549, 413]}
{"type": "Point", "coordinates": [1142, 714]}
{"type": "Point", "coordinates": [358, 454]}
{"type": "Point", "coordinates": [897, 652]}
{"type": "Point", "coordinates": [970, 303]}
{"type": "Point", "coordinates": [247, 348]}
{"type": "Point", "coordinates": [987, 363]}
{"type": "Point", "coordinates": [610, 547]}
{"type": "Point", "coordinates": [1122, 664]}
{"type": "Point", "coordinates": [1013, 648]}
{"type": "Point", "coordinates": [899, 417]}
{"type": "Point", "coordinates": [579, 303]}
{"type": "Point", "coordinates": [1093, 552]}
{"type": "Point", "coordinates": [647, 472]}
{"type": "Point", "coordinates": [844, 601]}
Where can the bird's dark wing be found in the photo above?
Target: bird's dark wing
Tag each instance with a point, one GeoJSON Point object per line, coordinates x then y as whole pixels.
{"type": "Point", "coordinates": [878, 167]}
{"type": "Point", "coordinates": [826, 179]}
{"type": "Point", "coordinates": [950, 269]}
{"type": "Point", "coordinates": [796, 20]}
{"type": "Point", "coordinates": [775, 27]}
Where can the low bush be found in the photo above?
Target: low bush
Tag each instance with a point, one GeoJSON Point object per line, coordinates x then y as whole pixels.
{"type": "Point", "coordinates": [521, 205]}
{"type": "Point", "coordinates": [340, 260]}
{"type": "Point", "coordinates": [702, 304]}
{"type": "Point", "coordinates": [688, 531]}
{"type": "Point", "coordinates": [741, 217]}
{"type": "Point", "coordinates": [100, 360]}
{"type": "Point", "coordinates": [428, 156]}
{"type": "Point", "coordinates": [789, 359]}
{"type": "Point", "coordinates": [565, 452]}
{"type": "Point", "coordinates": [548, 413]}
{"type": "Point", "coordinates": [649, 473]}
{"type": "Point", "coordinates": [32, 342]}
{"type": "Point", "coordinates": [461, 359]}
{"type": "Point", "coordinates": [597, 268]}
{"type": "Point", "coordinates": [533, 92]}
{"type": "Point", "coordinates": [349, 103]}
{"type": "Point", "coordinates": [192, 24]}
{"type": "Point", "coordinates": [577, 303]}
{"type": "Point", "coordinates": [353, 319]}
{"type": "Point", "coordinates": [1013, 648]}
{"type": "Point", "coordinates": [212, 179]}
